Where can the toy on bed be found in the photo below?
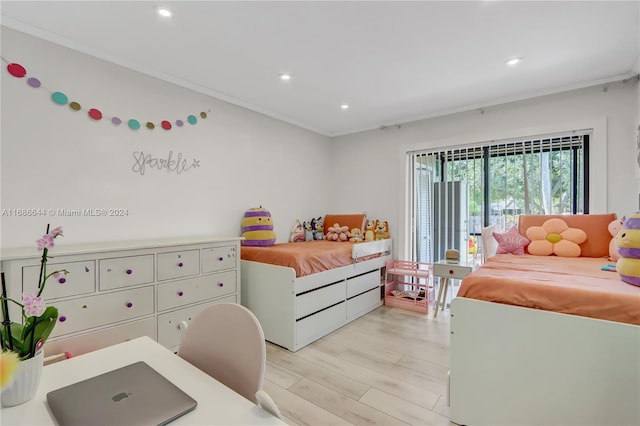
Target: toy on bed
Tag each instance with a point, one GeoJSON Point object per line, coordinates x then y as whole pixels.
{"type": "Point", "coordinates": [381, 231]}
{"type": "Point", "coordinates": [257, 228]}
{"type": "Point", "coordinates": [317, 226]}
{"type": "Point", "coordinates": [628, 245]}
{"type": "Point", "coordinates": [614, 227]}
{"type": "Point", "coordinates": [338, 233]}
{"type": "Point", "coordinates": [356, 235]}
{"type": "Point", "coordinates": [369, 228]}
{"type": "Point", "coordinates": [297, 232]}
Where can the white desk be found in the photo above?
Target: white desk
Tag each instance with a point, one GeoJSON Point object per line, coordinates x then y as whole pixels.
{"type": "Point", "coordinates": [217, 404]}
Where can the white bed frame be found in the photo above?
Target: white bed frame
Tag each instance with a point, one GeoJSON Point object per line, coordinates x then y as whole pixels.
{"type": "Point", "coordinates": [294, 311]}
{"type": "Point", "coordinates": [519, 366]}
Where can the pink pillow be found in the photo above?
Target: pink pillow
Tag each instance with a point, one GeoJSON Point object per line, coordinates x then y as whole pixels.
{"type": "Point", "coordinates": [510, 242]}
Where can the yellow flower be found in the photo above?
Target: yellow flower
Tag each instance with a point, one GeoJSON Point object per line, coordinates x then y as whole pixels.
{"type": "Point", "coordinates": [9, 363]}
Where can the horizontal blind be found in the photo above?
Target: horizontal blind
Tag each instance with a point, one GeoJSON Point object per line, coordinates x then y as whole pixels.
{"type": "Point", "coordinates": [456, 192]}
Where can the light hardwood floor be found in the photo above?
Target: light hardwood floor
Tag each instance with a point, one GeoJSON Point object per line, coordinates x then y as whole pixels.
{"type": "Point", "coordinates": [388, 367]}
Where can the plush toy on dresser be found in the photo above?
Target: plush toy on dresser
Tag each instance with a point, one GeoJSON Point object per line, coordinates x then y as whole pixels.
{"type": "Point", "coordinates": [628, 245]}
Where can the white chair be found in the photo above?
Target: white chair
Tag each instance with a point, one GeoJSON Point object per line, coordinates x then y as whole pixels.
{"type": "Point", "coordinates": [226, 341]}
{"type": "Point", "coordinates": [489, 244]}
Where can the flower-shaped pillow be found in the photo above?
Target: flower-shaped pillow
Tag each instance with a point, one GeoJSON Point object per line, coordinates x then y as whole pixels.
{"type": "Point", "coordinates": [555, 237]}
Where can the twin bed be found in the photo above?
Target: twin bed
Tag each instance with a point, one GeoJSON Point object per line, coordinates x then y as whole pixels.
{"type": "Point", "coordinates": [303, 291]}
{"type": "Point", "coordinates": [544, 340]}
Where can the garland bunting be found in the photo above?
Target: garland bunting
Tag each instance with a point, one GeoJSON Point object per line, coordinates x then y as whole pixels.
{"type": "Point", "coordinates": [59, 98]}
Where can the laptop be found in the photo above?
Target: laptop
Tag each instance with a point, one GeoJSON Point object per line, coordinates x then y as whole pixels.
{"type": "Point", "coordinates": [132, 395]}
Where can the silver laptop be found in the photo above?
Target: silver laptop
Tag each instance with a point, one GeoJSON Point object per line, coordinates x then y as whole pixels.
{"type": "Point", "coordinates": [132, 395]}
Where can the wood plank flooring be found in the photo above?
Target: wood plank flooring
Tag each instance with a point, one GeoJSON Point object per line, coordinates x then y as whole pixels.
{"type": "Point", "coordinates": [388, 367]}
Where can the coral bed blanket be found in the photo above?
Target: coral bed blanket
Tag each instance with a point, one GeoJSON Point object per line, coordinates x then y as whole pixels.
{"type": "Point", "coordinates": [574, 286]}
{"type": "Point", "coordinates": [305, 258]}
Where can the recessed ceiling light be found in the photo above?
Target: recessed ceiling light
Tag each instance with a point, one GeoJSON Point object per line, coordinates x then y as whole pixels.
{"type": "Point", "coordinates": [513, 61]}
{"type": "Point", "coordinates": [164, 12]}
{"type": "Point", "coordinates": [285, 77]}
{"type": "Point", "coordinates": [344, 106]}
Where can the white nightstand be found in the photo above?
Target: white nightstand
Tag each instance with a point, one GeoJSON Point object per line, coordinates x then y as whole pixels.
{"type": "Point", "coordinates": [447, 270]}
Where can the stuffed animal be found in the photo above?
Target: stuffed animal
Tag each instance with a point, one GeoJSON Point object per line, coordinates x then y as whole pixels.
{"type": "Point", "coordinates": [381, 230]}
{"type": "Point", "coordinates": [614, 227]}
{"type": "Point", "coordinates": [319, 235]}
{"type": "Point", "coordinates": [369, 234]}
{"type": "Point", "coordinates": [257, 228]}
{"type": "Point", "coordinates": [356, 235]}
{"type": "Point", "coordinates": [297, 232]}
{"type": "Point", "coordinates": [308, 231]}
{"type": "Point", "coordinates": [628, 245]}
{"type": "Point", "coordinates": [338, 233]}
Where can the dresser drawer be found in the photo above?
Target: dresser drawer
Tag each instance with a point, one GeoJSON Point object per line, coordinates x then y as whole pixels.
{"type": "Point", "coordinates": [218, 258]}
{"type": "Point", "coordinates": [362, 283]}
{"type": "Point", "coordinates": [178, 264]}
{"type": "Point", "coordinates": [316, 300]}
{"type": "Point", "coordinates": [93, 311]}
{"type": "Point", "coordinates": [192, 290]}
{"type": "Point", "coordinates": [125, 271]}
{"type": "Point", "coordinates": [91, 341]}
{"type": "Point", "coordinates": [81, 279]}
{"type": "Point", "coordinates": [171, 324]}
{"type": "Point", "coordinates": [451, 270]}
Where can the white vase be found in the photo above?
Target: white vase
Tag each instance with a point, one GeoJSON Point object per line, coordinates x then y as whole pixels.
{"type": "Point", "coordinates": [25, 382]}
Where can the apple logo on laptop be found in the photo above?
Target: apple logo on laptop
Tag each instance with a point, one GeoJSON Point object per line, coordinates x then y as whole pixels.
{"type": "Point", "coordinates": [120, 396]}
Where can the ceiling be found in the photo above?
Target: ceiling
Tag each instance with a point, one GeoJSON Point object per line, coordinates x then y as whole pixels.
{"type": "Point", "coordinates": [390, 61]}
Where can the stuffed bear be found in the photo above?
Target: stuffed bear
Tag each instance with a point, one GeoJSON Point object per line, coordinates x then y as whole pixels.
{"type": "Point", "coordinates": [338, 233]}
{"type": "Point", "coordinates": [614, 227]}
{"type": "Point", "coordinates": [369, 228]}
{"type": "Point", "coordinates": [356, 235]}
{"type": "Point", "coordinates": [628, 245]}
{"type": "Point", "coordinates": [381, 230]}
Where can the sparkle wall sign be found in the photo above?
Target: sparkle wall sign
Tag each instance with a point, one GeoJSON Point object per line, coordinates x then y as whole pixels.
{"type": "Point", "coordinates": [170, 163]}
{"type": "Point", "coordinates": [60, 98]}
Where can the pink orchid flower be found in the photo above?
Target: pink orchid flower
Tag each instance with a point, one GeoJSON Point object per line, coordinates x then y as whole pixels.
{"type": "Point", "coordinates": [34, 306]}
{"type": "Point", "coordinates": [45, 242]}
{"type": "Point", "coordinates": [56, 231]}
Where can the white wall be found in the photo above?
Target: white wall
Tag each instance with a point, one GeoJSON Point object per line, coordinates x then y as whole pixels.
{"type": "Point", "coordinates": [372, 169]}
{"type": "Point", "coordinates": [55, 158]}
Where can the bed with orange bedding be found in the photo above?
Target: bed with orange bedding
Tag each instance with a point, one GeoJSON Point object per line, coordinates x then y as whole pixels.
{"type": "Point", "coordinates": [545, 340]}
{"type": "Point", "coordinates": [302, 291]}
{"type": "Point", "coordinates": [575, 286]}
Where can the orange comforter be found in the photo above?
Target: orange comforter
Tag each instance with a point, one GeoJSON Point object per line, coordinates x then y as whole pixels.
{"type": "Point", "coordinates": [305, 258]}
{"type": "Point", "coordinates": [574, 286]}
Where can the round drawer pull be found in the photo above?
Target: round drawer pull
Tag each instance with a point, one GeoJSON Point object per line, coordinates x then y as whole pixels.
{"type": "Point", "coordinates": [62, 280]}
{"type": "Point", "coordinates": [62, 318]}
{"type": "Point", "coordinates": [221, 258]}
{"type": "Point", "coordinates": [450, 271]}
{"type": "Point", "coordinates": [220, 284]}
{"type": "Point", "coordinates": [129, 271]}
{"type": "Point", "coordinates": [129, 304]}
{"type": "Point", "coordinates": [180, 265]}
{"type": "Point", "coordinates": [180, 293]}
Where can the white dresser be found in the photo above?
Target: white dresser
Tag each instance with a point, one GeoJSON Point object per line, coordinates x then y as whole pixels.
{"type": "Point", "coordinates": [118, 291]}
